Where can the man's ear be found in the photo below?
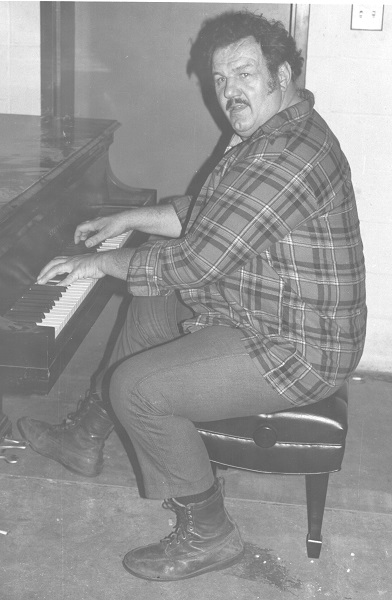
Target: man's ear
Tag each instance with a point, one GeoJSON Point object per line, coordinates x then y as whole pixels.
{"type": "Point", "coordinates": [284, 75]}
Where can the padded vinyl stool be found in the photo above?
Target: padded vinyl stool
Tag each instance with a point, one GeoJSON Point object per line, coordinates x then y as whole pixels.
{"type": "Point", "coordinates": [307, 440]}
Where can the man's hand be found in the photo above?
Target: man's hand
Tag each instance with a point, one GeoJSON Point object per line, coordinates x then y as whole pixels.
{"type": "Point", "coordinates": [78, 267]}
{"type": "Point", "coordinates": [102, 228]}
{"type": "Point", "coordinates": [155, 220]}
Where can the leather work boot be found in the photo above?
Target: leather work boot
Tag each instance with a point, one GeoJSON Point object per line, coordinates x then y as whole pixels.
{"type": "Point", "coordinates": [204, 539]}
{"type": "Point", "coordinates": [77, 442]}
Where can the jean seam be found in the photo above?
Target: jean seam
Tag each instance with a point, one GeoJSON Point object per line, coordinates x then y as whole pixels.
{"type": "Point", "coordinates": [170, 321]}
{"type": "Point", "coordinates": [158, 452]}
{"type": "Point", "coordinates": [193, 362]}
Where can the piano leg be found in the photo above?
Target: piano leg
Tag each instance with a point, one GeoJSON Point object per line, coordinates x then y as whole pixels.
{"type": "Point", "coordinates": [7, 443]}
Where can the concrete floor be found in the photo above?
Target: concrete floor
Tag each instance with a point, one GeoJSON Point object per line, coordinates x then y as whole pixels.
{"type": "Point", "coordinates": [67, 534]}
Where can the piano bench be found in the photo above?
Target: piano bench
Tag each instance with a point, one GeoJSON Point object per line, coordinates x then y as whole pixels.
{"type": "Point", "coordinates": [307, 440]}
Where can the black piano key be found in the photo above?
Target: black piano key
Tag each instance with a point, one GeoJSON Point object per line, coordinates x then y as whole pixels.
{"type": "Point", "coordinates": [46, 288]}
{"type": "Point", "coordinates": [29, 312]}
{"type": "Point", "coordinates": [39, 298]}
{"type": "Point", "coordinates": [48, 292]}
{"type": "Point", "coordinates": [44, 302]}
{"type": "Point", "coordinates": [56, 280]}
{"type": "Point", "coordinates": [34, 302]}
{"type": "Point", "coordinates": [56, 286]}
{"type": "Point", "coordinates": [53, 292]}
{"type": "Point", "coordinates": [33, 308]}
{"type": "Point", "coordinates": [27, 319]}
{"type": "Point", "coordinates": [38, 295]}
{"type": "Point", "coordinates": [23, 319]}
{"type": "Point", "coordinates": [35, 298]}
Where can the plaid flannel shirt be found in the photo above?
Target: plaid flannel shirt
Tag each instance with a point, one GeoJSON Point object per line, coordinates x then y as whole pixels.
{"type": "Point", "coordinates": [272, 246]}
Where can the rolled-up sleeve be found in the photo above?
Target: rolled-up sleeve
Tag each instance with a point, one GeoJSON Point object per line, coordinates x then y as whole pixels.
{"type": "Point", "coordinates": [181, 205]}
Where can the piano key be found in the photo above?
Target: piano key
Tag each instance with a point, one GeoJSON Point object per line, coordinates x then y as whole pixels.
{"type": "Point", "coordinates": [26, 317]}
{"type": "Point", "coordinates": [35, 301]}
{"type": "Point", "coordinates": [46, 290]}
{"type": "Point", "coordinates": [74, 295]}
{"type": "Point", "coordinates": [36, 298]}
{"type": "Point", "coordinates": [51, 304]}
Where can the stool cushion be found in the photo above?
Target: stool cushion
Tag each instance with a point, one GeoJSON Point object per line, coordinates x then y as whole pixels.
{"type": "Point", "coordinates": [302, 440]}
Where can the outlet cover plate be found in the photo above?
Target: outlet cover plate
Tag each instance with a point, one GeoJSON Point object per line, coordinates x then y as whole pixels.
{"type": "Point", "coordinates": [367, 17]}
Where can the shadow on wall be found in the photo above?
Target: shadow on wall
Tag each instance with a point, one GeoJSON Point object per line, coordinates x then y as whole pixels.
{"type": "Point", "coordinates": [198, 65]}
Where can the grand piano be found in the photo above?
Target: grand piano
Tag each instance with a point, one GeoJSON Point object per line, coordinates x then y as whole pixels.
{"type": "Point", "coordinates": [55, 173]}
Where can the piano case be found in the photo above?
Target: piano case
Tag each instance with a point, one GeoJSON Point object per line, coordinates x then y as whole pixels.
{"type": "Point", "coordinates": [55, 173]}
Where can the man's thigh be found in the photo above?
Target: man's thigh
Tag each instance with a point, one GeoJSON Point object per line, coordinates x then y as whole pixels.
{"type": "Point", "coordinates": [150, 321]}
{"type": "Point", "coordinates": [205, 375]}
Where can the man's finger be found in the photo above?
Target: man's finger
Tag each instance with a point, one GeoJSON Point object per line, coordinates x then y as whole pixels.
{"type": "Point", "coordinates": [83, 231]}
{"type": "Point", "coordinates": [68, 280]}
{"type": "Point", "coordinates": [95, 239]}
{"type": "Point", "coordinates": [51, 271]}
{"type": "Point", "coordinates": [52, 264]}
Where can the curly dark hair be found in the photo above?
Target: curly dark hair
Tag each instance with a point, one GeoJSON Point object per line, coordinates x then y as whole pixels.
{"type": "Point", "coordinates": [277, 45]}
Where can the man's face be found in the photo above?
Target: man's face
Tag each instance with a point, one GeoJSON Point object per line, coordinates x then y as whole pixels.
{"type": "Point", "coordinates": [247, 93]}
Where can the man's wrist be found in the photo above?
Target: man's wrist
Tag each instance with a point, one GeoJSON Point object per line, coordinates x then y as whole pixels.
{"type": "Point", "coordinates": [116, 262]}
{"type": "Point", "coordinates": [105, 262]}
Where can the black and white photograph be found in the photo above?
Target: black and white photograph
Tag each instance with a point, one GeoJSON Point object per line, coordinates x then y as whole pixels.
{"type": "Point", "coordinates": [195, 300]}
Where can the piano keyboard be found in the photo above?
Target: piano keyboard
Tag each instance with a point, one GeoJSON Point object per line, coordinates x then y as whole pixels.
{"type": "Point", "coordinates": [53, 305]}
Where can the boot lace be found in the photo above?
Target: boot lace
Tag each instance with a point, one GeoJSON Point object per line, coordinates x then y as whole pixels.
{"type": "Point", "coordinates": [184, 525]}
{"type": "Point", "coordinates": [82, 409]}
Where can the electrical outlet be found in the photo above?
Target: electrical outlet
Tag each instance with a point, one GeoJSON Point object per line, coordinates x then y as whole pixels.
{"type": "Point", "coordinates": [367, 16]}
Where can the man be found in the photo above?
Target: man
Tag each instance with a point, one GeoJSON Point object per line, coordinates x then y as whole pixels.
{"type": "Point", "coordinates": [257, 305]}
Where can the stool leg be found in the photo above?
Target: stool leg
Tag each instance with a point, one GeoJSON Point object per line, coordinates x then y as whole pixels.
{"type": "Point", "coordinates": [316, 493]}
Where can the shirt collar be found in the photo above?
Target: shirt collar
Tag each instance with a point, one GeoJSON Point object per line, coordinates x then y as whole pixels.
{"type": "Point", "coordinates": [283, 120]}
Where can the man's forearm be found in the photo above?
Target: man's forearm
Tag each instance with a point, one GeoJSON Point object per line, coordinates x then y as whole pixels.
{"type": "Point", "coordinates": [156, 220]}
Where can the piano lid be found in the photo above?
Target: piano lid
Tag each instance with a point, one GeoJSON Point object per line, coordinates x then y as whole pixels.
{"type": "Point", "coordinates": [34, 150]}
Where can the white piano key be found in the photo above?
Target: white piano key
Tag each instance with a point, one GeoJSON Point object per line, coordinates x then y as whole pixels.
{"type": "Point", "coordinates": [63, 309]}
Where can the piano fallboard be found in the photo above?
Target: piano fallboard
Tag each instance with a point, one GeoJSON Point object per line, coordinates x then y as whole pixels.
{"type": "Point", "coordinates": [54, 173]}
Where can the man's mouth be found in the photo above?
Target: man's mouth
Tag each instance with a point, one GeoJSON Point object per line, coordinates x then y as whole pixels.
{"type": "Point", "coordinates": [236, 105]}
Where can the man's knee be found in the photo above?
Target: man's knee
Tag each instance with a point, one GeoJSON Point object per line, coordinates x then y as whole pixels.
{"type": "Point", "coordinates": [120, 388]}
{"type": "Point", "coordinates": [135, 389]}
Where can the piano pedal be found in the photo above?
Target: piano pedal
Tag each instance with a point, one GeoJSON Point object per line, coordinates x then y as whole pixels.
{"type": "Point", "coordinates": [11, 460]}
{"type": "Point", "coordinates": [7, 443]}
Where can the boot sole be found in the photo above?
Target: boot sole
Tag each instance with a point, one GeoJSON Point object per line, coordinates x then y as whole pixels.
{"type": "Point", "coordinates": [216, 567]}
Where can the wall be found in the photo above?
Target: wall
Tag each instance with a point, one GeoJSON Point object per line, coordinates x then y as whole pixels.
{"type": "Point", "coordinates": [350, 74]}
{"type": "Point", "coordinates": [20, 58]}
{"type": "Point", "coordinates": [131, 61]}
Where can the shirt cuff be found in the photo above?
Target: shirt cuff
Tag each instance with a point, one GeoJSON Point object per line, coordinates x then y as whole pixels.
{"type": "Point", "coordinates": [181, 205]}
{"type": "Point", "coordinates": [143, 278]}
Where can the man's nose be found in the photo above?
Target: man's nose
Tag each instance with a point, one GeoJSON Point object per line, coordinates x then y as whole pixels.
{"type": "Point", "coordinates": [231, 88]}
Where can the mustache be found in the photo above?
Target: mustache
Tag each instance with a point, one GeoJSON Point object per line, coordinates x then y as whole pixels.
{"type": "Point", "coordinates": [235, 101]}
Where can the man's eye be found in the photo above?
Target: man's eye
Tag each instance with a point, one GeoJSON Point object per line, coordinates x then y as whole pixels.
{"type": "Point", "coordinates": [219, 80]}
{"type": "Point", "coordinates": [244, 75]}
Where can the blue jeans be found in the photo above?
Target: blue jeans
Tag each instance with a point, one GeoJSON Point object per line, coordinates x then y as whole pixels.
{"type": "Point", "coordinates": [166, 380]}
